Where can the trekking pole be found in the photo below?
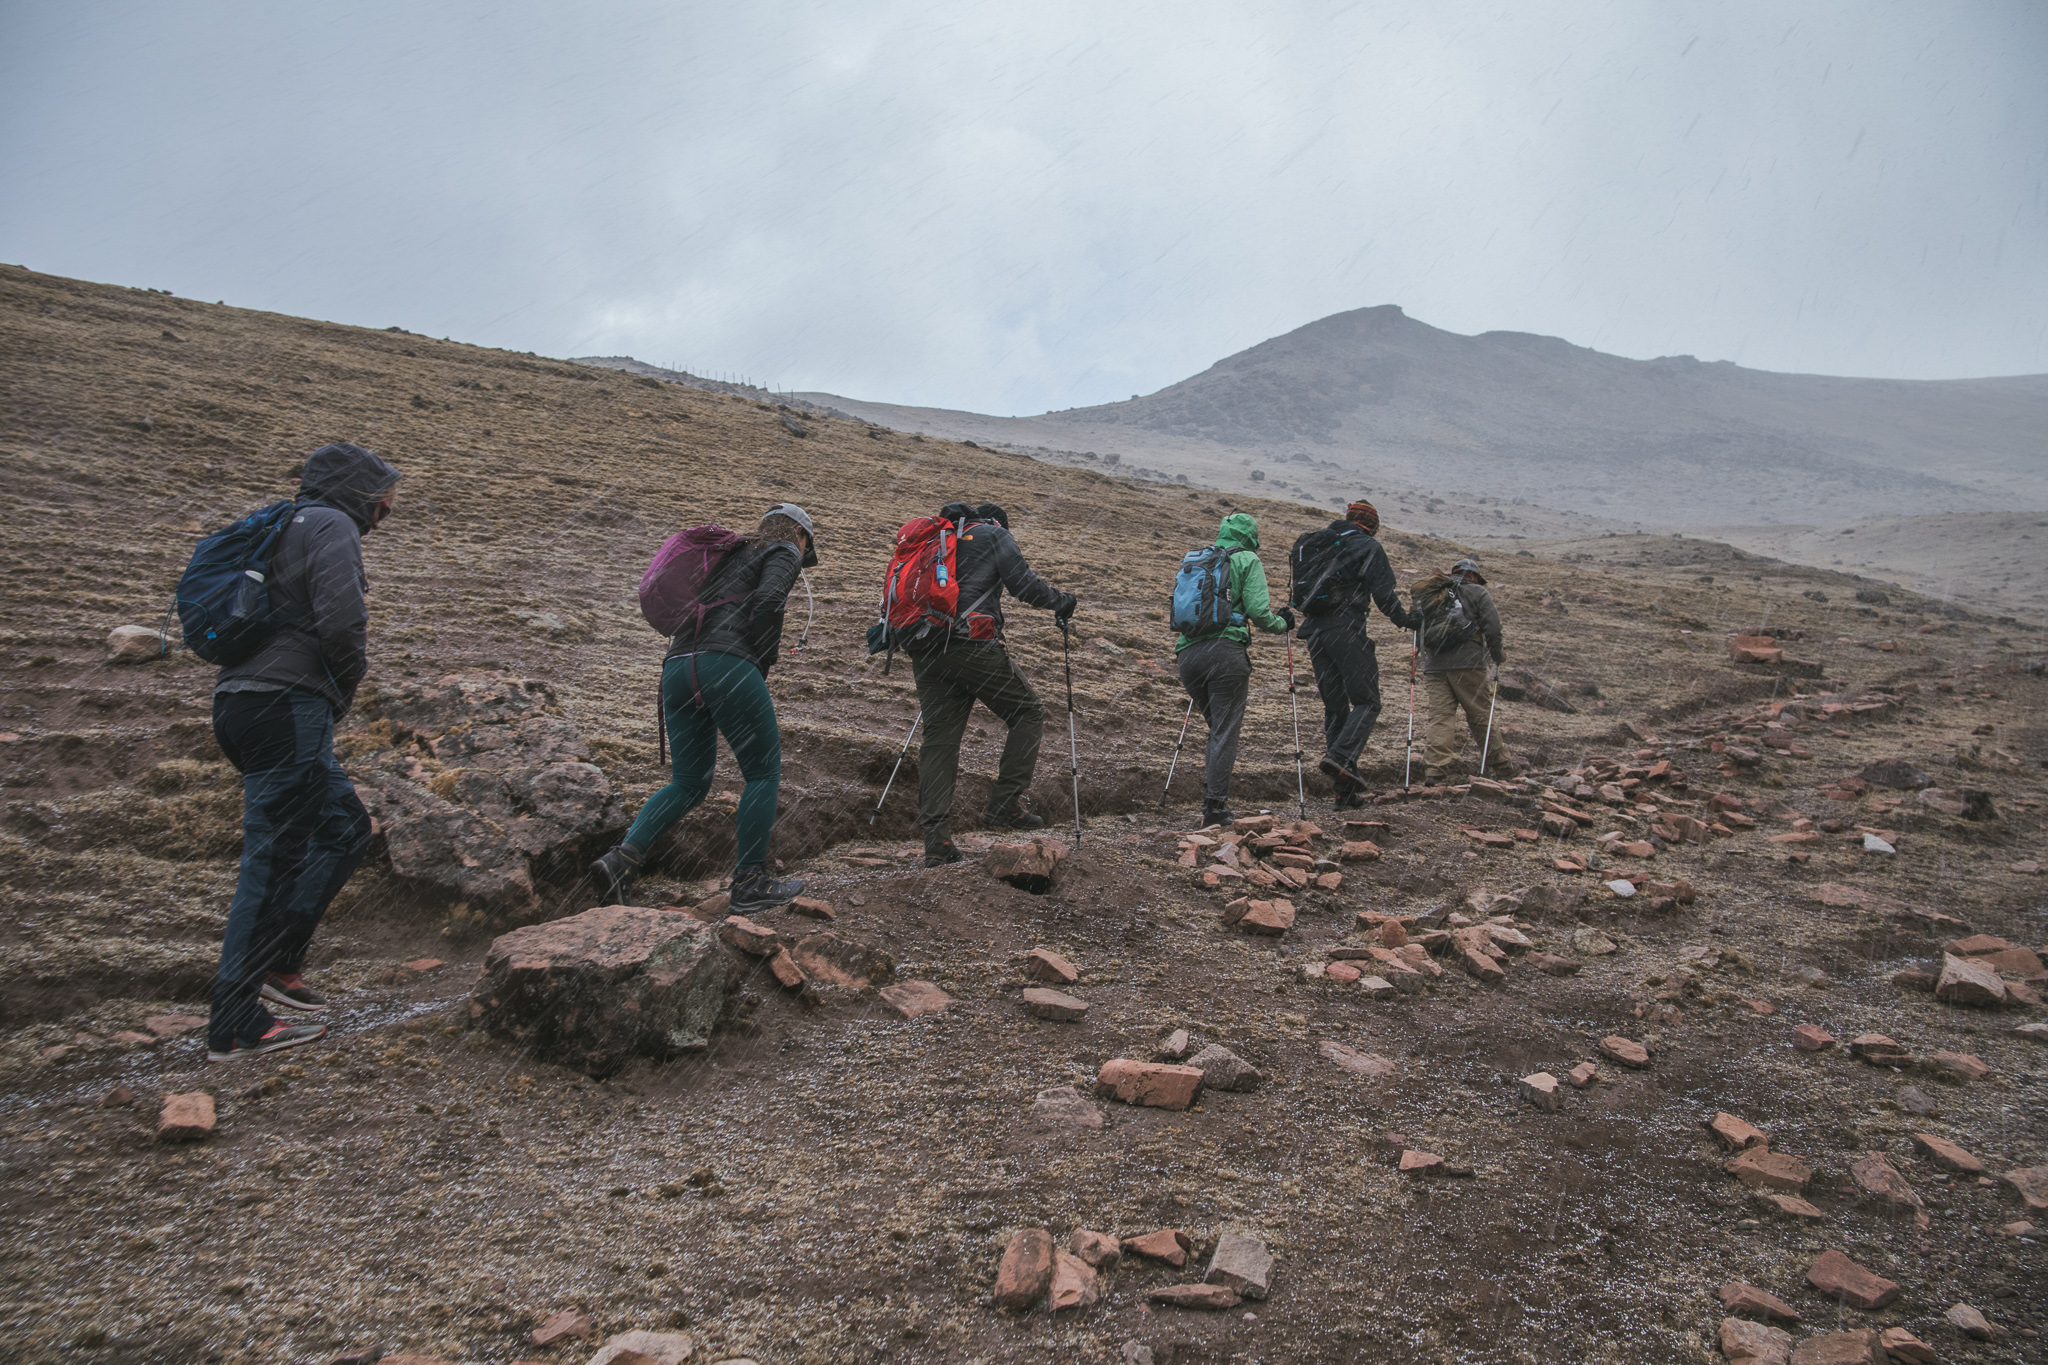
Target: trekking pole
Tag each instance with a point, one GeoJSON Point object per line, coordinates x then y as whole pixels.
{"type": "Point", "coordinates": [1300, 783]}
{"type": "Point", "coordinates": [1185, 722]}
{"type": "Point", "coordinates": [916, 721]}
{"type": "Point", "coordinates": [1487, 743]}
{"type": "Point", "coordinates": [1408, 763]}
{"type": "Point", "coordinates": [1073, 744]}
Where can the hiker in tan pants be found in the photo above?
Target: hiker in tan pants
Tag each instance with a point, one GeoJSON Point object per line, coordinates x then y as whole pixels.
{"type": "Point", "coordinates": [1458, 686]}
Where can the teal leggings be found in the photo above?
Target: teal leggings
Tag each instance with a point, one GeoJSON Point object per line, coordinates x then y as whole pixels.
{"type": "Point", "coordinates": [735, 704]}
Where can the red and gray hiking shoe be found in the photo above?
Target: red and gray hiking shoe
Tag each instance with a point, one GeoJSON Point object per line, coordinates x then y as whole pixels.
{"type": "Point", "coordinates": [290, 990]}
{"type": "Point", "coordinates": [281, 1036]}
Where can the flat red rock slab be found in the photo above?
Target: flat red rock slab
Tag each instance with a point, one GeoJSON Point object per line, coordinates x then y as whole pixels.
{"type": "Point", "coordinates": [1961, 1064]}
{"type": "Point", "coordinates": [1838, 1277]}
{"type": "Point", "coordinates": [185, 1118]}
{"type": "Point", "coordinates": [1859, 1347]}
{"type": "Point", "coordinates": [1947, 1155]}
{"type": "Point", "coordinates": [2031, 1185]}
{"type": "Point", "coordinates": [1735, 1134]}
{"type": "Point", "coordinates": [1043, 964]}
{"type": "Point", "coordinates": [1792, 1206]}
{"type": "Point", "coordinates": [1025, 1273]}
{"type": "Point", "coordinates": [914, 999]}
{"type": "Point", "coordinates": [1763, 1169]}
{"type": "Point", "coordinates": [1209, 1296]}
{"type": "Point", "coordinates": [1625, 1051]}
{"type": "Point", "coordinates": [1420, 1163]}
{"type": "Point", "coordinates": [1747, 1298]}
{"type": "Point", "coordinates": [1812, 1038]}
{"type": "Point", "coordinates": [1170, 1245]}
{"type": "Point", "coordinates": [1154, 1084]}
{"type": "Point", "coordinates": [1370, 1065]}
{"type": "Point", "coordinates": [1051, 1004]}
{"type": "Point", "coordinates": [810, 907]}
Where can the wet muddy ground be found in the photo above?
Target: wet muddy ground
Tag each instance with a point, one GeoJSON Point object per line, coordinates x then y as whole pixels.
{"type": "Point", "coordinates": [835, 1183]}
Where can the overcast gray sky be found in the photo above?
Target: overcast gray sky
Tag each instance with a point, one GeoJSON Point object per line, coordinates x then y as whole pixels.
{"type": "Point", "coordinates": [1015, 207]}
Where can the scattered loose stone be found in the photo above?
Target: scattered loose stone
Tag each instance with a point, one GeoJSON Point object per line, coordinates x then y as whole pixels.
{"type": "Point", "coordinates": [1345, 972]}
{"type": "Point", "coordinates": [1859, 1347]}
{"type": "Point", "coordinates": [1098, 1249]}
{"type": "Point", "coordinates": [1240, 1263]}
{"type": "Point", "coordinates": [1947, 1155]}
{"type": "Point", "coordinates": [1965, 981]}
{"type": "Point", "coordinates": [1760, 1168]}
{"type": "Point", "coordinates": [1420, 1163]}
{"type": "Point", "coordinates": [1540, 1089]}
{"type": "Point", "coordinates": [1223, 1069]}
{"type": "Point", "coordinates": [1838, 1277]}
{"type": "Point", "coordinates": [173, 1025]}
{"type": "Point", "coordinates": [785, 971]}
{"type": "Point", "coordinates": [743, 935]}
{"type": "Point", "coordinates": [1747, 1298]}
{"type": "Point", "coordinates": [1173, 1048]}
{"type": "Point", "coordinates": [836, 960]}
{"type": "Point", "coordinates": [1971, 1323]}
{"type": "Point", "coordinates": [915, 999]}
{"type": "Point", "coordinates": [1628, 1053]}
{"type": "Point", "coordinates": [637, 1348]}
{"type": "Point", "coordinates": [1875, 1175]}
{"type": "Point", "coordinates": [810, 907]}
{"type": "Point", "coordinates": [1025, 1273]}
{"type": "Point", "coordinates": [1961, 1064]}
{"type": "Point", "coordinates": [120, 1097]}
{"type": "Point", "coordinates": [1032, 867]}
{"type": "Point", "coordinates": [1736, 1134]}
{"type": "Point", "coordinates": [1212, 1296]}
{"type": "Point", "coordinates": [1583, 1075]}
{"type": "Point", "coordinates": [1062, 1106]}
{"type": "Point", "coordinates": [2031, 1184]}
{"type": "Point", "coordinates": [1792, 1206]}
{"type": "Point", "coordinates": [565, 1323]}
{"type": "Point", "coordinates": [1370, 1065]}
{"type": "Point", "coordinates": [1812, 1038]}
{"type": "Point", "coordinates": [1073, 1283]}
{"type": "Point", "coordinates": [1051, 1004]}
{"type": "Point", "coordinates": [1378, 988]}
{"type": "Point", "coordinates": [185, 1118]}
{"type": "Point", "coordinates": [1752, 1343]}
{"type": "Point", "coordinates": [1903, 1347]}
{"type": "Point", "coordinates": [1879, 1050]}
{"type": "Point", "coordinates": [1170, 1245]}
{"type": "Point", "coordinates": [1149, 1083]}
{"type": "Point", "coordinates": [1043, 964]}
{"type": "Point", "coordinates": [2037, 1032]}
{"type": "Point", "coordinates": [1914, 1100]}
{"type": "Point", "coordinates": [1550, 964]}
{"type": "Point", "coordinates": [2018, 1228]}
{"type": "Point", "coordinates": [1593, 943]}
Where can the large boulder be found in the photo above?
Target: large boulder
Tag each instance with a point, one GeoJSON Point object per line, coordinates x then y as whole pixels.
{"type": "Point", "coordinates": [479, 785]}
{"type": "Point", "coordinates": [599, 988]}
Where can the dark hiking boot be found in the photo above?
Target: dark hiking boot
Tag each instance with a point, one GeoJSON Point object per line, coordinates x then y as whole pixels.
{"type": "Point", "coordinates": [1351, 800]}
{"type": "Point", "coordinates": [1436, 777]}
{"type": "Point", "coordinates": [1216, 813]}
{"type": "Point", "coordinates": [1013, 816]}
{"type": "Point", "coordinates": [615, 874]}
{"type": "Point", "coordinates": [938, 855]}
{"type": "Point", "coordinates": [281, 1035]}
{"type": "Point", "coordinates": [290, 990]}
{"type": "Point", "coordinates": [753, 889]}
{"type": "Point", "coordinates": [1330, 766]}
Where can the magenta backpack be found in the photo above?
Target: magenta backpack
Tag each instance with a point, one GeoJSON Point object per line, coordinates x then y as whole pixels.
{"type": "Point", "coordinates": [674, 583]}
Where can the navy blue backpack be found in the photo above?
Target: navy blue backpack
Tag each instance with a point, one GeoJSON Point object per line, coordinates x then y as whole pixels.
{"type": "Point", "coordinates": [1201, 593]}
{"type": "Point", "coordinates": [223, 602]}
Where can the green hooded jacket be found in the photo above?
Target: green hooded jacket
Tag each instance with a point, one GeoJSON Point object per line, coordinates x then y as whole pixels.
{"type": "Point", "coordinates": [1246, 581]}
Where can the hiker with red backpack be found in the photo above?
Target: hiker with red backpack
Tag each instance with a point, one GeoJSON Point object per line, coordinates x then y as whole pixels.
{"type": "Point", "coordinates": [942, 605]}
{"type": "Point", "coordinates": [277, 601]}
{"type": "Point", "coordinates": [1339, 573]}
{"type": "Point", "coordinates": [1460, 632]}
{"type": "Point", "coordinates": [720, 598]}
{"type": "Point", "coordinates": [1219, 595]}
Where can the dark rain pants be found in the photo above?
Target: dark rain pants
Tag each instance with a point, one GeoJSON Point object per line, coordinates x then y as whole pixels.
{"type": "Point", "coordinates": [1348, 676]}
{"type": "Point", "coordinates": [949, 682]}
{"type": "Point", "coordinates": [303, 832]}
{"type": "Point", "coordinates": [1218, 676]}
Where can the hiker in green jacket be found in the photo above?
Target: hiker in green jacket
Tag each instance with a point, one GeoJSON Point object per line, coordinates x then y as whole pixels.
{"type": "Point", "coordinates": [1216, 666]}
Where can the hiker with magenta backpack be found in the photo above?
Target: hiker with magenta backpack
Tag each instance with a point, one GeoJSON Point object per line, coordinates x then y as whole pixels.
{"type": "Point", "coordinates": [1219, 594]}
{"type": "Point", "coordinates": [719, 597]}
{"type": "Point", "coordinates": [277, 601]}
{"type": "Point", "coordinates": [1460, 632]}
{"type": "Point", "coordinates": [942, 605]}
{"type": "Point", "coordinates": [1339, 573]}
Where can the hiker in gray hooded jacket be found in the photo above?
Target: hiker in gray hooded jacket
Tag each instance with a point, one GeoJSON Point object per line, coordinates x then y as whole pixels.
{"type": "Point", "coordinates": [303, 829]}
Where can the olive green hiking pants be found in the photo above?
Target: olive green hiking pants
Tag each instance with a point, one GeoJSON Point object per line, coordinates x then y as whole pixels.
{"type": "Point", "coordinates": [949, 682]}
{"type": "Point", "coordinates": [1458, 699]}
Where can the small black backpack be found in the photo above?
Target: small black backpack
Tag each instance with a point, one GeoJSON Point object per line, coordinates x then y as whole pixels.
{"type": "Point", "coordinates": [1315, 586]}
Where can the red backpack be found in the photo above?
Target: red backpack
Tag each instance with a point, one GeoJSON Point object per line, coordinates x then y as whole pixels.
{"type": "Point", "coordinates": [672, 588]}
{"type": "Point", "coordinates": [922, 587]}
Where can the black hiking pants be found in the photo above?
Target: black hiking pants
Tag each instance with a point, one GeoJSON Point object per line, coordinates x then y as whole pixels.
{"type": "Point", "coordinates": [949, 681]}
{"type": "Point", "coordinates": [1348, 676]}
{"type": "Point", "coordinates": [1218, 676]}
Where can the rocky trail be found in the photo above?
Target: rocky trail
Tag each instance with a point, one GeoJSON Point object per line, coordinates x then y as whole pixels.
{"type": "Point", "coordinates": [1715, 1035]}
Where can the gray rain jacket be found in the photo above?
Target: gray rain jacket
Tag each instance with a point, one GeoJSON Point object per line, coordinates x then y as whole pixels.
{"type": "Point", "coordinates": [317, 584]}
{"type": "Point", "coordinates": [1472, 653]}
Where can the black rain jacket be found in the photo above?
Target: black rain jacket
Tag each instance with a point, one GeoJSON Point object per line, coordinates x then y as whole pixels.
{"type": "Point", "coordinates": [988, 561]}
{"type": "Point", "coordinates": [760, 573]}
{"type": "Point", "coordinates": [1364, 577]}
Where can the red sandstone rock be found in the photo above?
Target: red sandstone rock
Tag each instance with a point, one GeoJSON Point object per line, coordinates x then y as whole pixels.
{"type": "Point", "coordinates": [1947, 1155]}
{"type": "Point", "coordinates": [1735, 1134]}
{"type": "Point", "coordinates": [1043, 964]}
{"type": "Point", "coordinates": [1837, 1277]}
{"type": "Point", "coordinates": [1812, 1038]}
{"type": "Point", "coordinates": [1052, 1004]}
{"type": "Point", "coordinates": [1757, 1303]}
{"type": "Point", "coordinates": [185, 1118]}
{"type": "Point", "coordinates": [1025, 1273]}
{"type": "Point", "coordinates": [561, 1325]}
{"type": "Point", "coordinates": [1031, 867]}
{"type": "Point", "coordinates": [914, 999]}
{"type": "Point", "coordinates": [1210, 1296]}
{"type": "Point", "coordinates": [1149, 1083]}
{"type": "Point", "coordinates": [1628, 1053]}
{"type": "Point", "coordinates": [1763, 1169]}
{"type": "Point", "coordinates": [1170, 1245]}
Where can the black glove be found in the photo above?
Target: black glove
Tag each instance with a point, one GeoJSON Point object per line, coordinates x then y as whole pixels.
{"type": "Point", "coordinates": [1286, 614]}
{"type": "Point", "coordinates": [1064, 608]}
